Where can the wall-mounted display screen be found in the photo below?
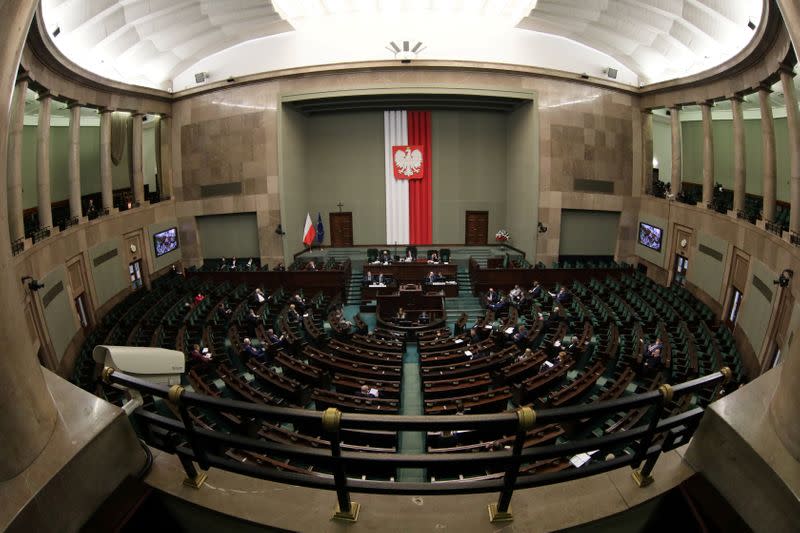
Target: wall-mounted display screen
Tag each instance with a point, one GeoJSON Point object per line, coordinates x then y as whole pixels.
{"type": "Point", "coordinates": [650, 236]}
{"type": "Point", "coordinates": [165, 241]}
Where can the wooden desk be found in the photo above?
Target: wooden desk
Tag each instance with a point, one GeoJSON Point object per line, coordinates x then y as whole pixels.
{"type": "Point", "coordinates": [411, 272]}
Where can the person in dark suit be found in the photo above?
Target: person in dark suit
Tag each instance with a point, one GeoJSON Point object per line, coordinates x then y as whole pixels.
{"type": "Point", "coordinates": [520, 338]}
{"type": "Point", "coordinates": [492, 298]}
{"type": "Point", "coordinates": [386, 256]}
{"type": "Point", "coordinates": [253, 321]}
{"type": "Point", "coordinates": [292, 315]}
{"type": "Point", "coordinates": [431, 277]}
{"type": "Point", "coordinates": [274, 340]}
{"type": "Point", "coordinates": [474, 336]}
{"type": "Point", "coordinates": [516, 295]}
{"type": "Point", "coordinates": [252, 351]}
{"type": "Point", "coordinates": [434, 257]}
{"type": "Point", "coordinates": [424, 318]}
{"type": "Point", "coordinates": [536, 291]}
{"type": "Point", "coordinates": [563, 297]}
{"type": "Point", "coordinates": [298, 301]}
{"type": "Point", "coordinates": [368, 278]}
{"type": "Point", "coordinates": [574, 347]}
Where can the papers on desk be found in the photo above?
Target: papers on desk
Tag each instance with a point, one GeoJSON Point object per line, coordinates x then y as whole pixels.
{"type": "Point", "coordinates": [509, 330]}
{"type": "Point", "coordinates": [377, 284]}
{"type": "Point", "coordinates": [557, 344]}
{"type": "Point", "coordinates": [548, 364]}
{"type": "Point", "coordinates": [458, 341]}
{"type": "Point", "coordinates": [487, 326]}
{"type": "Point", "coordinates": [468, 353]}
{"type": "Point", "coordinates": [582, 458]}
{"type": "Point", "coordinates": [373, 392]}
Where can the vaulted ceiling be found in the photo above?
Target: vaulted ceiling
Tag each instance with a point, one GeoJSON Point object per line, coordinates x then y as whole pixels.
{"type": "Point", "coordinates": [153, 42]}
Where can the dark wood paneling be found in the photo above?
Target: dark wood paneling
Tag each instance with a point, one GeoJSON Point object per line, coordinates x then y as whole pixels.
{"type": "Point", "coordinates": [341, 229]}
{"type": "Point", "coordinates": [477, 228]}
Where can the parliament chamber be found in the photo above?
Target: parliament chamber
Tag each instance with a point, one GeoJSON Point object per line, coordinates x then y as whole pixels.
{"type": "Point", "coordinates": [539, 283]}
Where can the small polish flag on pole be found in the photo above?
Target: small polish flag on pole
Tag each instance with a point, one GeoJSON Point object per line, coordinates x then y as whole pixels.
{"type": "Point", "coordinates": [309, 233]}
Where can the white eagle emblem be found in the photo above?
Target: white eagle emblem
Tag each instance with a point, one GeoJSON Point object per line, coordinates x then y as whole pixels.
{"type": "Point", "coordinates": [408, 162]}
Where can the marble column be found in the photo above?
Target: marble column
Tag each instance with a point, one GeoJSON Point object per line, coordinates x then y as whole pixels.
{"type": "Point", "coordinates": [675, 178]}
{"type": "Point", "coordinates": [106, 188]}
{"type": "Point", "coordinates": [137, 173]}
{"type": "Point", "coordinates": [768, 160]}
{"type": "Point", "coordinates": [739, 168]}
{"type": "Point", "coordinates": [74, 161]}
{"type": "Point", "coordinates": [29, 414]}
{"type": "Point", "coordinates": [647, 150]}
{"type": "Point", "coordinates": [793, 125]}
{"type": "Point", "coordinates": [708, 153]}
{"type": "Point", "coordinates": [16, 226]}
{"type": "Point", "coordinates": [43, 162]}
{"type": "Point", "coordinates": [165, 159]}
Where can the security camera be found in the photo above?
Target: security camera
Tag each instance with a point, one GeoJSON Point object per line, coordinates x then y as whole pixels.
{"type": "Point", "coordinates": [33, 284]}
{"type": "Point", "coordinates": [541, 227]}
{"type": "Point", "coordinates": [157, 365]}
{"type": "Point", "coordinates": [784, 279]}
{"type": "Point", "coordinates": [279, 230]}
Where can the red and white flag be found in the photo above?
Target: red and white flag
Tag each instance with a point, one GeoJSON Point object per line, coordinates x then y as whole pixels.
{"type": "Point", "coordinates": [408, 162]}
{"type": "Point", "coordinates": [309, 232]}
{"type": "Point", "coordinates": [407, 148]}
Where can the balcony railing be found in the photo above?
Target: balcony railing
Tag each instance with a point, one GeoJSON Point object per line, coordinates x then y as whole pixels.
{"type": "Point", "coordinates": [661, 432]}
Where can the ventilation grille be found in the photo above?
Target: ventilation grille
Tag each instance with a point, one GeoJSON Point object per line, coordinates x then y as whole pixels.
{"type": "Point", "coordinates": [100, 259]}
{"type": "Point", "coordinates": [601, 186]}
{"type": "Point", "coordinates": [52, 293]}
{"type": "Point", "coordinates": [762, 287]}
{"type": "Point", "coordinates": [221, 189]}
{"type": "Point", "coordinates": [703, 249]}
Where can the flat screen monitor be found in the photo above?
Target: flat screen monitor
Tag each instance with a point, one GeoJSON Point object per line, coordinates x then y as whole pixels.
{"type": "Point", "coordinates": [650, 236]}
{"type": "Point", "coordinates": [165, 241]}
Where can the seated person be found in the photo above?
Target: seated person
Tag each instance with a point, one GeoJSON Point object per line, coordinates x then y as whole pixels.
{"type": "Point", "coordinates": [500, 301]}
{"type": "Point", "coordinates": [474, 336]}
{"type": "Point", "coordinates": [381, 279]}
{"type": "Point", "coordinates": [431, 277]}
{"type": "Point", "coordinates": [386, 256]}
{"type": "Point", "coordinates": [249, 264]}
{"type": "Point", "coordinates": [410, 256]}
{"type": "Point", "coordinates": [311, 265]}
{"type": "Point", "coordinates": [367, 278]}
{"type": "Point", "coordinates": [561, 359]}
{"type": "Point", "coordinates": [424, 318]}
{"type": "Point", "coordinates": [528, 353]}
{"type": "Point", "coordinates": [368, 392]}
{"type": "Point", "coordinates": [233, 264]}
{"type": "Point", "coordinates": [224, 265]}
{"type": "Point", "coordinates": [223, 311]}
{"type": "Point", "coordinates": [492, 298]}
{"type": "Point", "coordinates": [298, 302]}
{"type": "Point", "coordinates": [657, 345]}
{"type": "Point", "coordinates": [652, 360]}
{"type": "Point", "coordinates": [279, 268]}
{"type": "Point", "coordinates": [292, 315]}
{"type": "Point", "coordinates": [252, 351]}
{"type": "Point", "coordinates": [199, 356]}
{"type": "Point", "coordinates": [515, 295]}
{"type": "Point", "coordinates": [434, 257]}
{"type": "Point", "coordinates": [574, 347]}
{"type": "Point", "coordinates": [520, 338]}
{"type": "Point", "coordinates": [401, 314]}
{"type": "Point", "coordinates": [199, 298]}
{"type": "Point", "coordinates": [274, 340]}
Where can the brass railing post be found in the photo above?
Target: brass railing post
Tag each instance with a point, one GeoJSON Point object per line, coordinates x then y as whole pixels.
{"type": "Point", "coordinates": [501, 511]}
{"type": "Point", "coordinates": [642, 476]}
{"type": "Point", "coordinates": [194, 478]}
{"type": "Point", "coordinates": [345, 509]}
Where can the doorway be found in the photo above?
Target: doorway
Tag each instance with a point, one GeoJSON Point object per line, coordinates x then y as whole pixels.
{"type": "Point", "coordinates": [477, 228]}
{"type": "Point", "coordinates": [341, 229]}
{"type": "Point", "coordinates": [135, 271]}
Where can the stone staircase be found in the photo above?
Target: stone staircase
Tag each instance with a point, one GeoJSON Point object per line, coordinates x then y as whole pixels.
{"type": "Point", "coordinates": [353, 289]}
{"type": "Point", "coordinates": [465, 302]}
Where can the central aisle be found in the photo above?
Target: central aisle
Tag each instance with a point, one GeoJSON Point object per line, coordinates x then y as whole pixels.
{"type": "Point", "coordinates": [411, 442]}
